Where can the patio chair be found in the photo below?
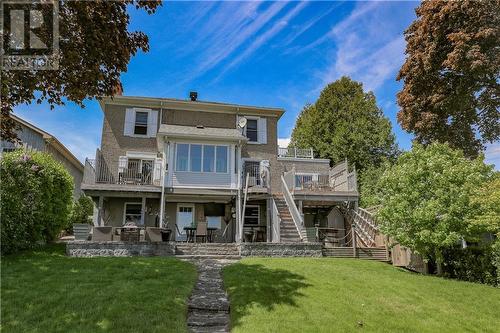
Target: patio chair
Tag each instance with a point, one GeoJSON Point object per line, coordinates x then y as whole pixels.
{"type": "Point", "coordinates": [102, 234]}
{"type": "Point", "coordinates": [201, 231]}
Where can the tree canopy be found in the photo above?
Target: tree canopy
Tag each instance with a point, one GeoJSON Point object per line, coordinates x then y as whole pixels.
{"type": "Point", "coordinates": [452, 74]}
{"type": "Point", "coordinates": [345, 122]}
{"type": "Point", "coordinates": [426, 198]}
{"type": "Point", "coordinates": [95, 47]}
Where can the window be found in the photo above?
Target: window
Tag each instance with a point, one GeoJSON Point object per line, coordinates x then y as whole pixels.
{"type": "Point", "coordinates": [214, 222]}
{"type": "Point", "coordinates": [141, 123]}
{"type": "Point", "coordinates": [208, 158]}
{"type": "Point", "coordinates": [133, 213]}
{"type": "Point", "coordinates": [182, 157]}
{"type": "Point", "coordinates": [221, 159]}
{"type": "Point", "coordinates": [251, 130]}
{"type": "Point", "coordinates": [202, 158]}
{"type": "Point", "coordinates": [196, 158]}
{"type": "Point", "coordinates": [252, 215]}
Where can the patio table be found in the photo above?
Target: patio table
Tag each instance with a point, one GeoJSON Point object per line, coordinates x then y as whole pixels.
{"type": "Point", "coordinates": [191, 233]}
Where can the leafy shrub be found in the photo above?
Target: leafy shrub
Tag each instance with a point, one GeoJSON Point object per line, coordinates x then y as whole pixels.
{"type": "Point", "coordinates": [36, 193]}
{"type": "Point", "coordinates": [474, 264]}
{"type": "Point", "coordinates": [82, 210]}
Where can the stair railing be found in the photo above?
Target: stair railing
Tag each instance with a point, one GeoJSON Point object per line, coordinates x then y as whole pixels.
{"type": "Point", "coordinates": [366, 227]}
{"type": "Point", "coordinates": [294, 211]}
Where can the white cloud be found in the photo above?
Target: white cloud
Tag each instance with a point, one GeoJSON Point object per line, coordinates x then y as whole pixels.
{"type": "Point", "coordinates": [283, 142]}
{"type": "Point", "coordinates": [368, 48]}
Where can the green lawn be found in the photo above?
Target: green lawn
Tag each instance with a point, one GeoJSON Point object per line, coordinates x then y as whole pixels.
{"type": "Point", "coordinates": [344, 295]}
{"type": "Point", "coordinates": [46, 291]}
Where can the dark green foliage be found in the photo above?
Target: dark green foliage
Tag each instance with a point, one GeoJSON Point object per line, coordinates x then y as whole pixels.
{"type": "Point", "coordinates": [82, 210]}
{"type": "Point", "coordinates": [474, 264]}
{"type": "Point", "coordinates": [369, 185]}
{"type": "Point", "coordinates": [345, 122]}
{"type": "Point", "coordinates": [36, 194]}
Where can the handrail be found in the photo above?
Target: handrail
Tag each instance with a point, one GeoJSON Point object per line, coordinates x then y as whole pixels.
{"type": "Point", "coordinates": [275, 222]}
{"type": "Point", "coordinates": [294, 211]}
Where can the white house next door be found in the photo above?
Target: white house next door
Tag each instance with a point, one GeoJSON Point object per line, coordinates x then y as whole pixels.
{"type": "Point", "coordinates": [185, 218]}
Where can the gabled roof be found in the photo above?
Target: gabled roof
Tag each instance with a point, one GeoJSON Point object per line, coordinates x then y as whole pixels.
{"type": "Point", "coordinates": [51, 140]}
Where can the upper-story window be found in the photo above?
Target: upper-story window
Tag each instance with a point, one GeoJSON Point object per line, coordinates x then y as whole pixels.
{"type": "Point", "coordinates": [256, 130]}
{"type": "Point", "coordinates": [141, 123]}
{"type": "Point", "coordinates": [252, 126]}
{"type": "Point", "coordinates": [201, 158]}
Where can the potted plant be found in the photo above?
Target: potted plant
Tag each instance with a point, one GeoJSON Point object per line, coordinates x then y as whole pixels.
{"type": "Point", "coordinates": [81, 217]}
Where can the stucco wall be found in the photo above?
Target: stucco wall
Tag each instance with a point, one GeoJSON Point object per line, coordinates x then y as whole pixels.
{"type": "Point", "coordinates": [114, 210]}
{"type": "Point", "coordinates": [312, 166]}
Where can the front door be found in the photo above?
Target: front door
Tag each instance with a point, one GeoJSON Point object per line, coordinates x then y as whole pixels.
{"type": "Point", "coordinates": [185, 218]}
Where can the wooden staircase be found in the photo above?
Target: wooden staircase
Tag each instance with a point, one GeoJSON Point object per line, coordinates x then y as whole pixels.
{"type": "Point", "coordinates": [370, 253]}
{"type": "Point", "coordinates": [288, 230]}
{"type": "Point", "coordinates": [365, 226]}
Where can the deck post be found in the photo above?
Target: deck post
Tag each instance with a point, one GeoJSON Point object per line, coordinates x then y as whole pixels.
{"type": "Point", "coordinates": [143, 209]}
{"type": "Point", "coordinates": [353, 240]}
{"type": "Point", "coordinates": [99, 211]}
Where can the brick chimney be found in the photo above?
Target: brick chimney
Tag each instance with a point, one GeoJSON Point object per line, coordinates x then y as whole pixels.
{"type": "Point", "coordinates": [118, 89]}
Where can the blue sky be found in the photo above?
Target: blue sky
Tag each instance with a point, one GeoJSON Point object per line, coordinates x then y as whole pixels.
{"type": "Point", "coordinates": [277, 54]}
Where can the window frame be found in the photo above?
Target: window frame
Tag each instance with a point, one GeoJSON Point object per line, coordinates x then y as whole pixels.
{"type": "Point", "coordinates": [125, 212]}
{"type": "Point", "coordinates": [148, 114]}
{"type": "Point", "coordinates": [256, 131]}
{"type": "Point", "coordinates": [215, 145]}
{"type": "Point", "coordinates": [258, 215]}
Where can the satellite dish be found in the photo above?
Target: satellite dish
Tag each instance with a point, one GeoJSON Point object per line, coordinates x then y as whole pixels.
{"type": "Point", "coordinates": [242, 122]}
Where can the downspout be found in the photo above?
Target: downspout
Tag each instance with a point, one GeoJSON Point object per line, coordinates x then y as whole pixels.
{"type": "Point", "coordinates": [162, 177]}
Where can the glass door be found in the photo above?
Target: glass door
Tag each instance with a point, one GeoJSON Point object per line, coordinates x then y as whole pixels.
{"type": "Point", "coordinates": [185, 218]}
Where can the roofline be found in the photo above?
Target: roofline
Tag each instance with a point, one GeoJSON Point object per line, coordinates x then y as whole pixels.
{"type": "Point", "coordinates": [187, 105]}
{"type": "Point", "coordinates": [52, 140]}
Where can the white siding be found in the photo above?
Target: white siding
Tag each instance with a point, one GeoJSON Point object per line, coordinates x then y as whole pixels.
{"type": "Point", "coordinates": [201, 179]}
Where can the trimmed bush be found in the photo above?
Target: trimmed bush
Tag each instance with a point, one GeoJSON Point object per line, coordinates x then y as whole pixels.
{"type": "Point", "coordinates": [474, 264]}
{"type": "Point", "coordinates": [36, 199]}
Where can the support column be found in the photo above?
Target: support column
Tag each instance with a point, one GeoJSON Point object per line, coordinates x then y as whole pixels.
{"type": "Point", "coordinates": [354, 254]}
{"type": "Point", "coordinates": [99, 211]}
{"type": "Point", "coordinates": [269, 228]}
{"type": "Point", "coordinates": [143, 209]}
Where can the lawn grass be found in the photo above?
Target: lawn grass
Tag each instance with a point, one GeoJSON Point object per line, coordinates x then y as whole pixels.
{"type": "Point", "coordinates": [348, 295]}
{"type": "Point", "coordinates": [45, 291]}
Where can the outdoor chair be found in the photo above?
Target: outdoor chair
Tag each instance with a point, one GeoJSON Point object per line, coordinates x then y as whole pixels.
{"type": "Point", "coordinates": [201, 231]}
{"type": "Point", "coordinates": [102, 234]}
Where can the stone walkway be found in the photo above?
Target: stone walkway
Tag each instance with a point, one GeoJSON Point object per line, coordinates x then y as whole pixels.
{"type": "Point", "coordinates": [208, 306]}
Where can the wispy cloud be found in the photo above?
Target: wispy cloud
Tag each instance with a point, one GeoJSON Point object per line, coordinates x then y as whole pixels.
{"type": "Point", "coordinates": [284, 142]}
{"type": "Point", "coordinates": [366, 50]}
{"type": "Point", "coordinates": [264, 38]}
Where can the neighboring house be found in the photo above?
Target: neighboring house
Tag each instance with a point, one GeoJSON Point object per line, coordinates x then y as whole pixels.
{"type": "Point", "coordinates": [172, 163]}
{"type": "Point", "coordinates": [32, 137]}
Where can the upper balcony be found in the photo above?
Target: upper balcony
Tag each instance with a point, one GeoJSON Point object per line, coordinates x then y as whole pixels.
{"type": "Point", "coordinates": [293, 152]}
{"type": "Point", "coordinates": [131, 174]}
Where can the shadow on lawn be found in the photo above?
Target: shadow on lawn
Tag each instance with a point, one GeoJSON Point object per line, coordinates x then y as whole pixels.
{"type": "Point", "coordinates": [257, 285]}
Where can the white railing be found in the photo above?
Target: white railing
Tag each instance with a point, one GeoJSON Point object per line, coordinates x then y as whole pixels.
{"type": "Point", "coordinates": [294, 152]}
{"type": "Point", "coordinates": [257, 177]}
{"type": "Point", "coordinates": [275, 219]}
{"type": "Point", "coordinates": [289, 177]}
{"type": "Point", "coordinates": [294, 211]}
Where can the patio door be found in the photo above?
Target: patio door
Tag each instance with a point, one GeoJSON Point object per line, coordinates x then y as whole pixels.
{"type": "Point", "coordinates": [185, 218]}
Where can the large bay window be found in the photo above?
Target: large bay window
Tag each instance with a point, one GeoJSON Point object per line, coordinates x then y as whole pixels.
{"type": "Point", "coordinates": [202, 158]}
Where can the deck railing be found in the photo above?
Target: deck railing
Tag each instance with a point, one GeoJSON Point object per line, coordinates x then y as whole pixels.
{"type": "Point", "coordinates": [294, 211]}
{"type": "Point", "coordinates": [293, 152]}
{"type": "Point", "coordinates": [96, 171]}
{"type": "Point", "coordinates": [258, 176]}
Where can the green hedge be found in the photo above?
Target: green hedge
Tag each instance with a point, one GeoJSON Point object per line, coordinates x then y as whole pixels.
{"type": "Point", "coordinates": [36, 199]}
{"type": "Point", "coordinates": [475, 264]}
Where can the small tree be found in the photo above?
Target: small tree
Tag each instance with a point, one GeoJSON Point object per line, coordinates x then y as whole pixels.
{"type": "Point", "coordinates": [36, 196]}
{"type": "Point", "coordinates": [82, 210]}
{"type": "Point", "coordinates": [426, 198]}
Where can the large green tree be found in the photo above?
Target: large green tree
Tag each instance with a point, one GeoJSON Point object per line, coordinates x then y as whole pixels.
{"type": "Point", "coordinates": [345, 122]}
{"type": "Point", "coordinates": [95, 48]}
{"type": "Point", "coordinates": [452, 74]}
{"type": "Point", "coordinates": [427, 198]}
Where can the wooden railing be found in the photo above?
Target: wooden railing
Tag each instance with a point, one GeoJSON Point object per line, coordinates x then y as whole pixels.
{"type": "Point", "coordinates": [365, 226]}
{"type": "Point", "coordinates": [294, 211]}
{"type": "Point", "coordinates": [294, 152]}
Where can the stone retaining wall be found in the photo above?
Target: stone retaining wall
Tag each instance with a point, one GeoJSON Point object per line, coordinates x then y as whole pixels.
{"type": "Point", "coordinates": [119, 249]}
{"type": "Point", "coordinates": [281, 250]}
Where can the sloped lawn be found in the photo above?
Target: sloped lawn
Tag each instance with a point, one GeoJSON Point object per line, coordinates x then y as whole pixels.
{"type": "Point", "coordinates": [344, 295]}
{"type": "Point", "coordinates": [45, 291]}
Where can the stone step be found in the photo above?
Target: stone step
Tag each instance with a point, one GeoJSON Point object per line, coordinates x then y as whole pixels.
{"type": "Point", "coordinates": [208, 256]}
{"type": "Point", "coordinates": [211, 329]}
